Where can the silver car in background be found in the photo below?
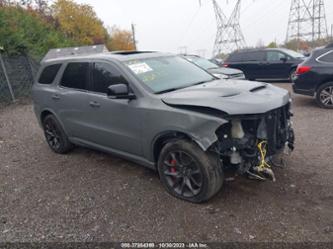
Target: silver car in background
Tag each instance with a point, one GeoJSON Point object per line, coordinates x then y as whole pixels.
{"type": "Point", "coordinates": [216, 70]}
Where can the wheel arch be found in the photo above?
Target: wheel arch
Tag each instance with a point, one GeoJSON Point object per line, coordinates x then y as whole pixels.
{"type": "Point", "coordinates": [162, 139]}
{"type": "Point", "coordinates": [293, 68]}
{"type": "Point", "coordinates": [323, 83]}
{"type": "Point", "coordinates": [44, 113]}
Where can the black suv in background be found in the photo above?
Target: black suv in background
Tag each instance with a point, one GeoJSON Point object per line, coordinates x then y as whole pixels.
{"type": "Point", "coordinates": [314, 77]}
{"type": "Point", "coordinates": [265, 63]}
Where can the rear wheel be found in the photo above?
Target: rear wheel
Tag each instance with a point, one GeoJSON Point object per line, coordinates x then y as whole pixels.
{"type": "Point", "coordinates": [324, 95]}
{"type": "Point", "coordinates": [292, 74]}
{"type": "Point", "coordinates": [189, 173]}
{"type": "Point", "coordinates": [55, 135]}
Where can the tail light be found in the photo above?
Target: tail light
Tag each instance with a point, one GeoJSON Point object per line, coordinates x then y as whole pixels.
{"type": "Point", "coordinates": [225, 65]}
{"type": "Point", "coordinates": [302, 69]}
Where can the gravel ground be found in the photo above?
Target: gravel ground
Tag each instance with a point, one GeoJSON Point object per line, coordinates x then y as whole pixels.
{"type": "Point", "coordinates": [91, 196]}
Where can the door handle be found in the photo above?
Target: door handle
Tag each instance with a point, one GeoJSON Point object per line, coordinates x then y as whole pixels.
{"type": "Point", "coordinates": [55, 97]}
{"type": "Point", "coordinates": [94, 104]}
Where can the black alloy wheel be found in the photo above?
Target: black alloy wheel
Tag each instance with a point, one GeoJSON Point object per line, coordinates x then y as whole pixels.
{"type": "Point", "coordinates": [182, 174]}
{"type": "Point", "coordinates": [52, 134]}
{"type": "Point", "coordinates": [55, 135]}
{"type": "Point", "coordinates": [325, 96]}
{"type": "Point", "coordinates": [189, 173]}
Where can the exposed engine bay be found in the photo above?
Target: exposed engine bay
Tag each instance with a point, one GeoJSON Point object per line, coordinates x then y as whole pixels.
{"type": "Point", "coordinates": [248, 143]}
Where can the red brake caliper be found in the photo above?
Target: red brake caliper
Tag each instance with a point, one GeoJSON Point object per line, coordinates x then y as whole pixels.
{"type": "Point", "coordinates": [173, 163]}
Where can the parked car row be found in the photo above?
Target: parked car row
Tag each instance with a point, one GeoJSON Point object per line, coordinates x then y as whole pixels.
{"type": "Point", "coordinates": [312, 75]}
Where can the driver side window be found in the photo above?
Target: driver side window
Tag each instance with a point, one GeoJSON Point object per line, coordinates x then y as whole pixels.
{"type": "Point", "coordinates": [105, 75]}
{"type": "Point", "coordinates": [275, 56]}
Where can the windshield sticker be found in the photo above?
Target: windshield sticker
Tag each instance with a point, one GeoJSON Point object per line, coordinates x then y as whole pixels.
{"type": "Point", "coordinates": [140, 68]}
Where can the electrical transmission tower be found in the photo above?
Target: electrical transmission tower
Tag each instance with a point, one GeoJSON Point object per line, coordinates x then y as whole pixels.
{"type": "Point", "coordinates": [229, 36]}
{"type": "Point", "coordinates": [307, 21]}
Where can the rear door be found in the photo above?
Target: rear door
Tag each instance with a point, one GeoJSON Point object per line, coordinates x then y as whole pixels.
{"type": "Point", "coordinates": [277, 65]}
{"type": "Point", "coordinates": [70, 100]}
{"type": "Point", "coordinates": [252, 64]}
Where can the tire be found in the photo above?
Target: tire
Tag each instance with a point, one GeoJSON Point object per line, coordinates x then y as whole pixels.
{"type": "Point", "coordinates": [324, 96]}
{"type": "Point", "coordinates": [55, 135]}
{"type": "Point", "coordinates": [189, 173]}
{"type": "Point", "coordinates": [292, 74]}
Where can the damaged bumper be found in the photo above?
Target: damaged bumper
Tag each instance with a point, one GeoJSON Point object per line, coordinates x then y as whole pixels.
{"type": "Point", "coordinates": [248, 141]}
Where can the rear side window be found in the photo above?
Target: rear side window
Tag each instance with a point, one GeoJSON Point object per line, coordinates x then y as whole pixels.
{"type": "Point", "coordinates": [247, 56]}
{"type": "Point", "coordinates": [76, 75]}
{"type": "Point", "coordinates": [105, 75]}
{"type": "Point", "coordinates": [48, 74]}
{"type": "Point", "coordinates": [235, 57]}
{"type": "Point", "coordinates": [253, 56]}
{"type": "Point", "coordinates": [328, 57]}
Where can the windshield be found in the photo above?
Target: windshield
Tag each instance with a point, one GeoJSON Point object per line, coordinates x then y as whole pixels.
{"type": "Point", "coordinates": [293, 53]}
{"type": "Point", "coordinates": [201, 62]}
{"type": "Point", "coordinates": [168, 73]}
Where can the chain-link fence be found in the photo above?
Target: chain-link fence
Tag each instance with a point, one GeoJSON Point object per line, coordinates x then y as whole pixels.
{"type": "Point", "coordinates": [16, 77]}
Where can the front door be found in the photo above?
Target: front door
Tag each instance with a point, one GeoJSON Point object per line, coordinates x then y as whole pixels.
{"type": "Point", "coordinates": [115, 123]}
{"type": "Point", "coordinates": [277, 65]}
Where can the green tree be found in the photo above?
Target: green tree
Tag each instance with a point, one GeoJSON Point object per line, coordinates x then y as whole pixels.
{"type": "Point", "coordinates": [79, 22]}
{"type": "Point", "coordinates": [34, 27]}
{"type": "Point", "coordinates": [272, 45]}
{"type": "Point", "coordinates": [27, 31]}
{"type": "Point", "coordinates": [120, 40]}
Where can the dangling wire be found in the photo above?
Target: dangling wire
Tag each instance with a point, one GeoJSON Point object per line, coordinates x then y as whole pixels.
{"type": "Point", "coordinates": [263, 152]}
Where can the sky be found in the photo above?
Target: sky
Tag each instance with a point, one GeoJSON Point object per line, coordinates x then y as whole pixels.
{"type": "Point", "coordinates": [171, 25]}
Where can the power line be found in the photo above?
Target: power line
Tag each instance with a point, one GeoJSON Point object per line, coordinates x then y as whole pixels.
{"type": "Point", "coordinates": [229, 36]}
{"type": "Point", "coordinates": [190, 24]}
{"type": "Point", "coordinates": [307, 21]}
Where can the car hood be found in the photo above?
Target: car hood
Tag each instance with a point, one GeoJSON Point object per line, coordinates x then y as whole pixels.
{"type": "Point", "coordinates": [234, 97]}
{"type": "Point", "coordinates": [226, 71]}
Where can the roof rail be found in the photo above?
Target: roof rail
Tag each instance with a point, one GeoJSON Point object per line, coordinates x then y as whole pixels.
{"type": "Point", "coordinates": [130, 52]}
{"type": "Point", "coordinates": [72, 51]}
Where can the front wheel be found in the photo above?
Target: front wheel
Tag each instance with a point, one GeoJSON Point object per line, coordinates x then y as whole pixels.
{"type": "Point", "coordinates": [189, 173]}
{"type": "Point", "coordinates": [324, 95]}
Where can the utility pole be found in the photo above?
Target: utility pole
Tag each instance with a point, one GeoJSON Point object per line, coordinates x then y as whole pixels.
{"type": "Point", "coordinates": [307, 21]}
{"type": "Point", "coordinates": [229, 35]}
{"type": "Point", "coordinates": [133, 36]}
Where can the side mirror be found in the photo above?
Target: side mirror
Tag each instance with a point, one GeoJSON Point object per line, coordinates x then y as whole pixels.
{"type": "Point", "coordinates": [120, 91]}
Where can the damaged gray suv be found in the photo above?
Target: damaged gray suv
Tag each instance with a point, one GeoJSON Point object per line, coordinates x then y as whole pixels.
{"type": "Point", "coordinates": [163, 112]}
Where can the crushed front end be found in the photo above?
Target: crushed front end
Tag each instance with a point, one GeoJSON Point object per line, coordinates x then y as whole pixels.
{"type": "Point", "coordinates": [248, 143]}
